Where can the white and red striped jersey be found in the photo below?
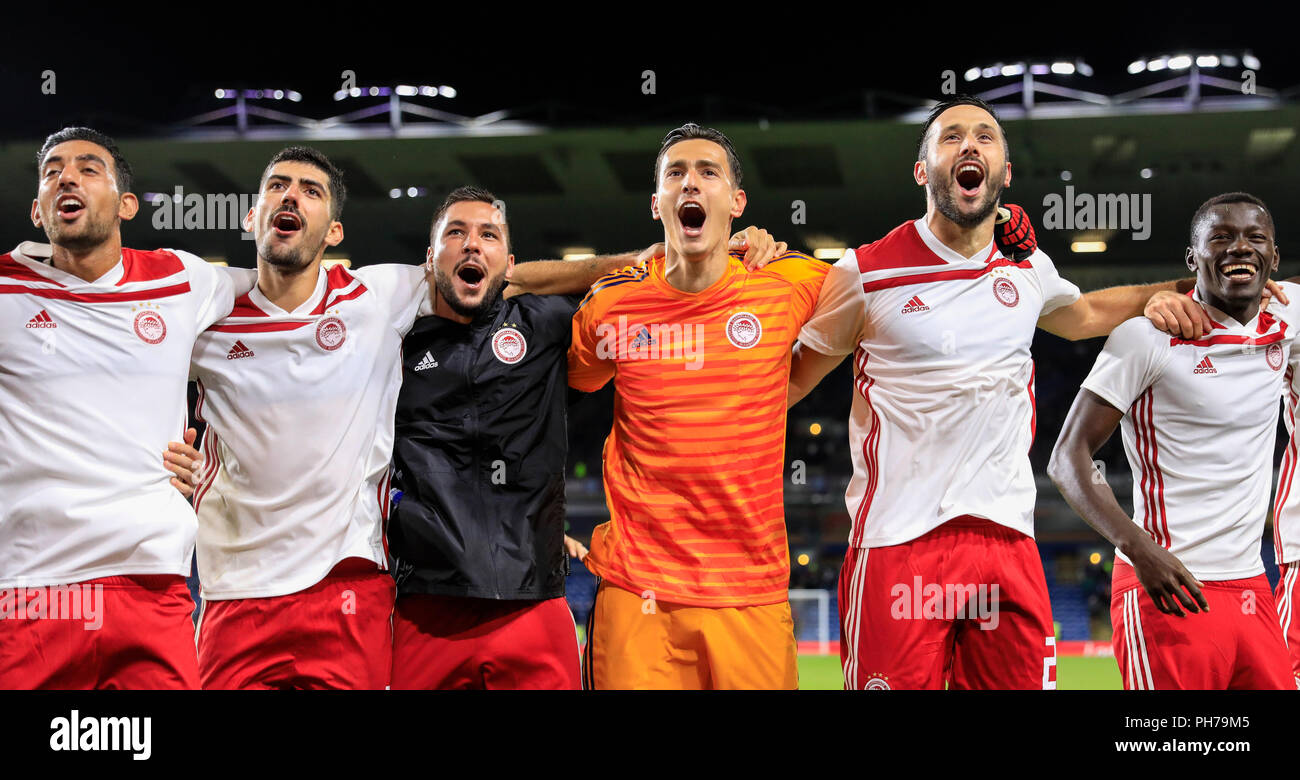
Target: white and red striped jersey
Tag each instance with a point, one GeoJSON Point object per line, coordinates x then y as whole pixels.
{"type": "Point", "coordinates": [299, 407]}
{"type": "Point", "coordinates": [943, 409]}
{"type": "Point", "coordinates": [1286, 504]}
{"type": "Point", "coordinates": [92, 388]}
{"type": "Point", "coordinates": [1200, 420]}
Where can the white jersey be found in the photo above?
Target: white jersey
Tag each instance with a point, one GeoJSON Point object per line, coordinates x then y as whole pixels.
{"type": "Point", "coordinates": [299, 407]}
{"type": "Point", "coordinates": [1200, 420]}
{"type": "Point", "coordinates": [92, 388]}
{"type": "Point", "coordinates": [1286, 504]}
{"type": "Point", "coordinates": [943, 409]}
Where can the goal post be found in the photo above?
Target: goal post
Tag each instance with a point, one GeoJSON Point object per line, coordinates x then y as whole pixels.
{"type": "Point", "coordinates": [805, 603]}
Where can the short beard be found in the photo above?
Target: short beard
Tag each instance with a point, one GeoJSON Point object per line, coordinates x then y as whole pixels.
{"type": "Point", "coordinates": [443, 283]}
{"type": "Point", "coordinates": [288, 260]}
{"type": "Point", "coordinates": [93, 234]}
{"type": "Point", "coordinates": [940, 188]}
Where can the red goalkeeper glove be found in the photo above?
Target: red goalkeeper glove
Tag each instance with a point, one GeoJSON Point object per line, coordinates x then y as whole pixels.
{"type": "Point", "coordinates": [1013, 233]}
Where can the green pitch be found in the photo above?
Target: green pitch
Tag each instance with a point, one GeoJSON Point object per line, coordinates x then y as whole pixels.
{"type": "Point", "coordinates": [1073, 673]}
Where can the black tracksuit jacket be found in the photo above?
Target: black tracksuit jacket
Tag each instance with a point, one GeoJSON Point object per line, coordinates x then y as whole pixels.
{"type": "Point", "coordinates": [479, 453]}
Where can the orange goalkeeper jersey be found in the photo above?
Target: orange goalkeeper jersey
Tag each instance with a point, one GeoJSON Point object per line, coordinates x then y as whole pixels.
{"type": "Point", "coordinates": [693, 467]}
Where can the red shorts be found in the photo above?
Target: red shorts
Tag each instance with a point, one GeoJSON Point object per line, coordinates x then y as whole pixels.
{"type": "Point", "coordinates": [1236, 645]}
{"type": "Point", "coordinates": [964, 605]}
{"type": "Point", "coordinates": [1288, 587]}
{"type": "Point", "coordinates": [450, 642]}
{"type": "Point", "coordinates": [127, 632]}
{"type": "Point", "coordinates": [335, 634]}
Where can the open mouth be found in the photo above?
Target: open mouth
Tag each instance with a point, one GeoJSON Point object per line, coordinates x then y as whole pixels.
{"type": "Point", "coordinates": [286, 223]}
{"type": "Point", "coordinates": [69, 206]}
{"type": "Point", "coordinates": [1239, 272]}
{"type": "Point", "coordinates": [969, 177]}
{"type": "Point", "coordinates": [471, 275]}
{"type": "Point", "coordinates": [692, 217]}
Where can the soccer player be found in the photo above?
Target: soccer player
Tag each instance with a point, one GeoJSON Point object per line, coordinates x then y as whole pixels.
{"type": "Point", "coordinates": [1286, 522]}
{"type": "Point", "coordinates": [942, 495]}
{"type": "Point", "coordinates": [478, 535]}
{"type": "Point", "coordinates": [1286, 526]}
{"type": "Point", "coordinates": [96, 340]}
{"type": "Point", "coordinates": [694, 565]}
{"type": "Point", "coordinates": [299, 386]}
{"type": "Point", "coordinates": [1198, 419]}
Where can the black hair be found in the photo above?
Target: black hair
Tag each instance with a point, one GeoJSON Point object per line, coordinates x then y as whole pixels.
{"type": "Point", "coordinates": [121, 168]}
{"type": "Point", "coordinates": [1226, 198]}
{"type": "Point", "coordinates": [338, 192]}
{"type": "Point", "coordinates": [959, 100]}
{"type": "Point", "coordinates": [691, 130]}
{"type": "Point", "coordinates": [462, 195]}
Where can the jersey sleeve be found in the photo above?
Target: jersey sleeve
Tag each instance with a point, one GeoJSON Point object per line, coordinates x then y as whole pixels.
{"type": "Point", "coordinates": [403, 287]}
{"type": "Point", "coordinates": [1289, 313]}
{"type": "Point", "coordinates": [214, 289]}
{"type": "Point", "coordinates": [1057, 292]}
{"type": "Point", "coordinates": [1134, 357]}
{"type": "Point", "coordinates": [809, 276]}
{"type": "Point", "coordinates": [836, 324]}
{"type": "Point", "coordinates": [243, 279]}
{"type": "Point", "coordinates": [590, 364]}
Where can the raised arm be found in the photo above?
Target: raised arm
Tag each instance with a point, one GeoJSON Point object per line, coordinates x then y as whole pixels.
{"type": "Point", "coordinates": [1090, 423]}
{"type": "Point", "coordinates": [563, 277]}
{"type": "Point", "coordinates": [1099, 312]}
{"type": "Point", "coordinates": [575, 277]}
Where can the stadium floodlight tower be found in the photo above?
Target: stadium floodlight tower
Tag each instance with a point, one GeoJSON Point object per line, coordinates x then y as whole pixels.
{"type": "Point", "coordinates": [398, 103]}
{"type": "Point", "coordinates": [1192, 72]}
{"type": "Point", "coordinates": [1029, 81]}
{"type": "Point", "coordinates": [241, 110]}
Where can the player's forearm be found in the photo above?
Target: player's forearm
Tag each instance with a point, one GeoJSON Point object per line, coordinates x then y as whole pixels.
{"type": "Point", "coordinates": [807, 368]}
{"type": "Point", "coordinates": [1099, 312]}
{"type": "Point", "coordinates": [1089, 494]}
{"type": "Point", "coordinates": [564, 277]}
{"type": "Point", "coordinates": [1109, 307]}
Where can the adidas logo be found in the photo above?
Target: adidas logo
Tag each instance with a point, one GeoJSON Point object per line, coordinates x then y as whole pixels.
{"type": "Point", "coordinates": [1205, 367]}
{"type": "Point", "coordinates": [239, 351]}
{"type": "Point", "coordinates": [914, 305]}
{"type": "Point", "coordinates": [426, 362]}
{"type": "Point", "coordinates": [643, 339]}
{"type": "Point", "coordinates": [42, 320]}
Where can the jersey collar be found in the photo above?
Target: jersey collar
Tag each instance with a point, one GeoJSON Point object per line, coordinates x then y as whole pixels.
{"type": "Point", "coordinates": [36, 256]}
{"type": "Point", "coordinates": [947, 254]}
{"type": "Point", "coordinates": [658, 277]}
{"type": "Point", "coordinates": [489, 315]}
{"type": "Point", "coordinates": [308, 306]}
{"type": "Point", "coordinates": [1219, 319]}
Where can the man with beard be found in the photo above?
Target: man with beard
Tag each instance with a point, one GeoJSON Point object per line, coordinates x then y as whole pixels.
{"type": "Point", "coordinates": [96, 339]}
{"type": "Point", "coordinates": [478, 536]}
{"type": "Point", "coordinates": [944, 381]}
{"type": "Point", "coordinates": [297, 388]}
